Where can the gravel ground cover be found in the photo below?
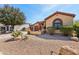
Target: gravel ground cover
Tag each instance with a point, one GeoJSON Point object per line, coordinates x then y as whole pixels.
{"type": "Point", "coordinates": [35, 45]}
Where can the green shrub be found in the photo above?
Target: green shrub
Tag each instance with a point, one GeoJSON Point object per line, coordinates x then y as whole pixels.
{"type": "Point", "coordinates": [51, 30]}
{"type": "Point", "coordinates": [67, 30]}
{"type": "Point", "coordinates": [16, 33]}
{"type": "Point", "coordinates": [43, 32]}
{"type": "Point", "coordinates": [28, 32]}
{"type": "Point", "coordinates": [76, 28]}
{"type": "Point", "coordinates": [77, 31]}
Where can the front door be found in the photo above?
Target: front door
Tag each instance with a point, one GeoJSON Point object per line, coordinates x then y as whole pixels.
{"type": "Point", "coordinates": [57, 23]}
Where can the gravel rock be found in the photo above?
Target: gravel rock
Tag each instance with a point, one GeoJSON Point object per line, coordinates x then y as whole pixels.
{"type": "Point", "coordinates": [74, 39]}
{"type": "Point", "coordinates": [66, 50]}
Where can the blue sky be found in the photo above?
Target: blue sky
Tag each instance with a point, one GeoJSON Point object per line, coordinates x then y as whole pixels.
{"type": "Point", "coordinates": [37, 12]}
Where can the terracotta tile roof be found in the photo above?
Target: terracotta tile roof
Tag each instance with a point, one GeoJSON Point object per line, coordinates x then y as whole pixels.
{"type": "Point", "coordinates": [40, 22]}
{"type": "Point", "coordinates": [58, 12]}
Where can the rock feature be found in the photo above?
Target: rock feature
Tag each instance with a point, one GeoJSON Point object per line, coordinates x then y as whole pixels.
{"type": "Point", "coordinates": [74, 39]}
{"type": "Point", "coordinates": [66, 50]}
{"type": "Point", "coordinates": [1, 53]}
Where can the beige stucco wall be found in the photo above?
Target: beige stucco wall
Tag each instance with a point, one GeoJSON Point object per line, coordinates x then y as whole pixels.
{"type": "Point", "coordinates": [67, 20]}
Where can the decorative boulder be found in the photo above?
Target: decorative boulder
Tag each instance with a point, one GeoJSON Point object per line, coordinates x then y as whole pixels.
{"type": "Point", "coordinates": [66, 50]}
{"type": "Point", "coordinates": [74, 39]}
{"type": "Point", "coordinates": [18, 38]}
{"type": "Point", "coordinates": [24, 36]}
{"type": "Point", "coordinates": [1, 53]}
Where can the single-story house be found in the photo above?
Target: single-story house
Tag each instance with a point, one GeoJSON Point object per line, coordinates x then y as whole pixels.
{"type": "Point", "coordinates": [5, 28]}
{"type": "Point", "coordinates": [59, 19]}
{"type": "Point", "coordinates": [21, 27]}
{"type": "Point", "coordinates": [56, 20]}
{"type": "Point", "coordinates": [9, 28]}
{"type": "Point", "coordinates": [37, 26]}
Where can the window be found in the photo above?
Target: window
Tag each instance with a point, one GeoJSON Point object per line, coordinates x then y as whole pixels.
{"type": "Point", "coordinates": [3, 30]}
{"type": "Point", "coordinates": [11, 28]}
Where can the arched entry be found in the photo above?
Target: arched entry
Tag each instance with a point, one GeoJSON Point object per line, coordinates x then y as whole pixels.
{"type": "Point", "coordinates": [57, 23]}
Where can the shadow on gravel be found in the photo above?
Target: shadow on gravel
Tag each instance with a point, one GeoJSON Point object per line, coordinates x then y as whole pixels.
{"type": "Point", "coordinates": [12, 39]}
{"type": "Point", "coordinates": [54, 37]}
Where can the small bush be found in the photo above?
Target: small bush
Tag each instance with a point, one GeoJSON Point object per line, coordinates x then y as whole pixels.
{"type": "Point", "coordinates": [16, 33]}
{"type": "Point", "coordinates": [67, 30]}
{"type": "Point", "coordinates": [43, 31]}
{"type": "Point", "coordinates": [77, 31]}
{"type": "Point", "coordinates": [28, 32]}
{"type": "Point", "coordinates": [76, 28]}
{"type": "Point", "coordinates": [51, 30]}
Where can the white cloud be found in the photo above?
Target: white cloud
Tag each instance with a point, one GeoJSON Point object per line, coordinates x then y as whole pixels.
{"type": "Point", "coordinates": [48, 7]}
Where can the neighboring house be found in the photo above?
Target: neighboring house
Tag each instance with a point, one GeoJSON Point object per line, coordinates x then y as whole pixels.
{"type": "Point", "coordinates": [21, 27]}
{"type": "Point", "coordinates": [59, 19]}
{"type": "Point", "coordinates": [5, 28]}
{"type": "Point", "coordinates": [9, 28]}
{"type": "Point", "coordinates": [37, 26]}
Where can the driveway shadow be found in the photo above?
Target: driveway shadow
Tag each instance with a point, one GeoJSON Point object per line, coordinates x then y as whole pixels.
{"type": "Point", "coordinates": [54, 37]}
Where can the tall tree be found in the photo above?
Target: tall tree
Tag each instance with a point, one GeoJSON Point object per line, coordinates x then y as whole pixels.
{"type": "Point", "coordinates": [11, 16]}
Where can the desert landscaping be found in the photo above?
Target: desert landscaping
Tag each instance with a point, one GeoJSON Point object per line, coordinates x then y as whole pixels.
{"type": "Point", "coordinates": [22, 33]}
{"type": "Point", "coordinates": [36, 45]}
